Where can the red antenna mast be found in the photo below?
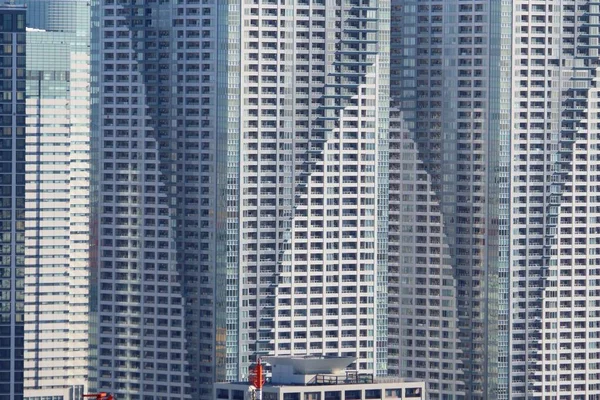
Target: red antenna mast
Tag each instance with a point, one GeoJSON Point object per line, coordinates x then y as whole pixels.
{"type": "Point", "coordinates": [257, 378]}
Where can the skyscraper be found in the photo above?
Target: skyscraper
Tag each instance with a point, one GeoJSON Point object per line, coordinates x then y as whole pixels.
{"type": "Point", "coordinates": [241, 167]}
{"type": "Point", "coordinates": [313, 180]}
{"type": "Point", "coordinates": [159, 219]}
{"type": "Point", "coordinates": [57, 290]}
{"type": "Point", "coordinates": [12, 199]}
{"type": "Point", "coordinates": [554, 287]}
{"type": "Point", "coordinates": [546, 154]}
{"type": "Point", "coordinates": [445, 81]}
{"type": "Point", "coordinates": [423, 323]}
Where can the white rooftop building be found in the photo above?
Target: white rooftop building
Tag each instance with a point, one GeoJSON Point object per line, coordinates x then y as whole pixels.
{"type": "Point", "coordinates": [320, 378]}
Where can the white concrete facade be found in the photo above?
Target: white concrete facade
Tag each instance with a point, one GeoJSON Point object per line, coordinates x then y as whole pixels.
{"type": "Point", "coordinates": [313, 180]}
{"type": "Point", "coordinates": [383, 390]}
{"type": "Point", "coordinates": [554, 286]}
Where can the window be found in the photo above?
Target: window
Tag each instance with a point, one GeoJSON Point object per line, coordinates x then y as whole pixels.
{"type": "Point", "coordinates": [352, 395]}
{"type": "Point", "coordinates": [372, 394]}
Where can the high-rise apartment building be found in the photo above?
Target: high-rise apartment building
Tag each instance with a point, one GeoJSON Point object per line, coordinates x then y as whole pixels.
{"type": "Point", "coordinates": [313, 179]}
{"type": "Point", "coordinates": [428, 339]}
{"type": "Point", "coordinates": [241, 167]}
{"type": "Point", "coordinates": [554, 289]}
{"type": "Point", "coordinates": [445, 81]}
{"type": "Point", "coordinates": [160, 213]}
{"type": "Point", "coordinates": [545, 146]}
{"type": "Point", "coordinates": [12, 199]}
{"type": "Point", "coordinates": [57, 199]}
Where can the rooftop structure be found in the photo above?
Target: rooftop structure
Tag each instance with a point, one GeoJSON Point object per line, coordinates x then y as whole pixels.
{"type": "Point", "coordinates": [303, 370]}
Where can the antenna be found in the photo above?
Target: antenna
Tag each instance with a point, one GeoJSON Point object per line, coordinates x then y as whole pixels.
{"type": "Point", "coordinates": [257, 379]}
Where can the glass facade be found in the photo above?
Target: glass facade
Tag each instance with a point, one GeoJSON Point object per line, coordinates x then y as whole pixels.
{"type": "Point", "coordinates": [504, 161]}
{"type": "Point", "coordinates": [12, 199]}
{"type": "Point", "coordinates": [160, 143]}
{"type": "Point", "coordinates": [445, 82]}
{"type": "Point", "coordinates": [229, 110]}
{"type": "Point", "coordinates": [57, 199]}
{"type": "Point", "coordinates": [382, 178]}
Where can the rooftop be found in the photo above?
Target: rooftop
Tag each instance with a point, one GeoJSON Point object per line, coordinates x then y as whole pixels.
{"type": "Point", "coordinates": [319, 371]}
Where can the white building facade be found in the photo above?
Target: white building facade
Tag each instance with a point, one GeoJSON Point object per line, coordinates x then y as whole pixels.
{"type": "Point", "coordinates": [242, 188]}
{"type": "Point", "coordinates": [525, 72]}
{"type": "Point", "coordinates": [313, 180]}
{"type": "Point", "coordinates": [554, 294]}
{"type": "Point", "coordinates": [57, 234]}
{"type": "Point", "coordinates": [296, 378]}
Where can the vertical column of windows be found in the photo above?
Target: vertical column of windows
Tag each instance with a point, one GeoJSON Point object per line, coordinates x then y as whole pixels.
{"type": "Point", "coordinates": [12, 199]}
